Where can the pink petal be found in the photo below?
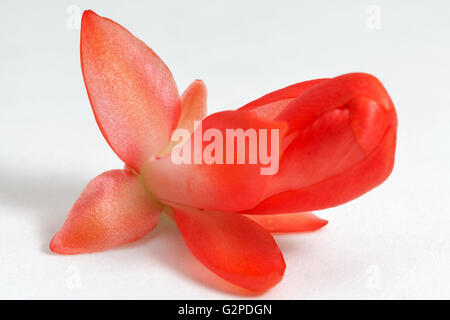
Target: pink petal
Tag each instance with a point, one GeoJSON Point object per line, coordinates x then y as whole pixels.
{"type": "Point", "coordinates": [193, 108]}
{"type": "Point", "coordinates": [113, 209]}
{"type": "Point", "coordinates": [133, 95]}
{"type": "Point", "coordinates": [193, 105]}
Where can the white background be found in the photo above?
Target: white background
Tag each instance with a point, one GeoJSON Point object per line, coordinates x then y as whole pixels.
{"type": "Point", "coordinates": [394, 242]}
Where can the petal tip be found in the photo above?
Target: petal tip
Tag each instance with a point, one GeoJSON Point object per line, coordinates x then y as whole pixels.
{"type": "Point", "coordinates": [58, 247]}
{"type": "Point", "coordinates": [322, 223]}
{"type": "Point", "coordinates": [55, 245]}
{"type": "Point", "coordinates": [88, 15]}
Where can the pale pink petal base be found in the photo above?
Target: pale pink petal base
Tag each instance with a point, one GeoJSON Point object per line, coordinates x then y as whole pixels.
{"type": "Point", "coordinates": [113, 209]}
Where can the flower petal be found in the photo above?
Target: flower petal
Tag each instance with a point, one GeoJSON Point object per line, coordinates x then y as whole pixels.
{"type": "Point", "coordinates": [337, 93]}
{"type": "Point", "coordinates": [337, 189]}
{"type": "Point", "coordinates": [193, 108]}
{"type": "Point", "coordinates": [271, 104]}
{"type": "Point", "coordinates": [324, 149]}
{"type": "Point", "coordinates": [229, 187]}
{"type": "Point", "coordinates": [289, 222]}
{"type": "Point", "coordinates": [113, 209]}
{"type": "Point", "coordinates": [193, 105]}
{"type": "Point", "coordinates": [344, 126]}
{"type": "Point", "coordinates": [133, 95]}
{"type": "Point", "coordinates": [232, 246]}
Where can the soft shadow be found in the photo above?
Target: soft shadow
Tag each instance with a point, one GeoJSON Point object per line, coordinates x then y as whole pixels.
{"type": "Point", "coordinates": [45, 196]}
{"type": "Point", "coordinates": [177, 256]}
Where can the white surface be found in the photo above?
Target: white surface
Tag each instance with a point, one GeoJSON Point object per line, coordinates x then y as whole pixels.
{"type": "Point", "coordinates": [393, 242]}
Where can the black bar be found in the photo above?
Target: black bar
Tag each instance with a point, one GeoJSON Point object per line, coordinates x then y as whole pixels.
{"type": "Point", "coordinates": [217, 309]}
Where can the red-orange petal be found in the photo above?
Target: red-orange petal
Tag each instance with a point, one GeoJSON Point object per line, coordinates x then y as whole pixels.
{"type": "Point", "coordinates": [337, 189]}
{"type": "Point", "coordinates": [232, 246]}
{"type": "Point", "coordinates": [271, 104]}
{"type": "Point", "coordinates": [337, 93]}
{"type": "Point", "coordinates": [113, 209]}
{"type": "Point", "coordinates": [344, 145]}
{"type": "Point", "coordinates": [220, 187]}
{"type": "Point", "coordinates": [289, 222]}
{"type": "Point", "coordinates": [132, 92]}
{"type": "Point", "coordinates": [324, 149]}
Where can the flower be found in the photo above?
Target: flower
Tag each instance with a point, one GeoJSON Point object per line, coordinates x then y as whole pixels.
{"type": "Point", "coordinates": [335, 137]}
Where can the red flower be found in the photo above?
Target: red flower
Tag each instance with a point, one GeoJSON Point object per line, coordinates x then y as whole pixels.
{"type": "Point", "coordinates": [336, 136]}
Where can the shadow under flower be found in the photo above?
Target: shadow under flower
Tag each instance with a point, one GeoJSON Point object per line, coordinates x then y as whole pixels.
{"type": "Point", "coordinates": [47, 197]}
{"type": "Point", "coordinates": [177, 256]}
